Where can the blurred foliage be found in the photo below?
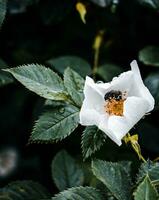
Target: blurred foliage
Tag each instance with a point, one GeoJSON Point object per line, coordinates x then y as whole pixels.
{"type": "Point", "coordinates": [149, 56]}
{"type": "Point", "coordinates": [3, 8]}
{"type": "Point", "coordinates": [24, 190]}
{"type": "Point", "coordinates": [74, 62]}
{"type": "Point", "coordinates": [51, 33]}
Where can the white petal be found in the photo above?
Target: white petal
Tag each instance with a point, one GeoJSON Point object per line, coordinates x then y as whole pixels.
{"type": "Point", "coordinates": [100, 88]}
{"type": "Point", "coordinates": [118, 126]}
{"type": "Point", "coordinates": [124, 82]}
{"type": "Point", "coordinates": [104, 127]}
{"type": "Point", "coordinates": [134, 109]}
{"type": "Point", "coordinates": [89, 117]}
{"type": "Point", "coordinates": [93, 100]}
{"type": "Point", "coordinates": [140, 89]}
{"type": "Point", "coordinates": [93, 104]}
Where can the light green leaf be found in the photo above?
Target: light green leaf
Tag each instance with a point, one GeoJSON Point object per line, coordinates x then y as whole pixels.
{"type": "Point", "coordinates": [66, 172]}
{"type": "Point", "coordinates": [24, 190]}
{"type": "Point", "coordinates": [40, 80]}
{"type": "Point", "coordinates": [114, 177]}
{"type": "Point", "coordinates": [74, 84]}
{"type": "Point", "coordinates": [78, 64]}
{"type": "Point", "coordinates": [108, 71]}
{"type": "Point", "coordinates": [92, 140]}
{"type": "Point", "coordinates": [152, 82]}
{"type": "Point", "coordinates": [150, 56]}
{"type": "Point", "coordinates": [79, 193]}
{"type": "Point", "coordinates": [146, 191]}
{"type": "Point", "coordinates": [150, 168]}
{"type": "Point", "coordinates": [3, 8]}
{"type": "Point", "coordinates": [150, 3]}
{"type": "Point", "coordinates": [56, 124]}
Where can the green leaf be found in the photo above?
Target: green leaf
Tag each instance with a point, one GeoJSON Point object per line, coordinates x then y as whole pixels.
{"type": "Point", "coordinates": [40, 80]}
{"type": "Point", "coordinates": [92, 140]}
{"type": "Point", "coordinates": [24, 190]}
{"type": "Point", "coordinates": [78, 64]}
{"type": "Point", "coordinates": [150, 168]}
{"type": "Point", "coordinates": [127, 166]}
{"type": "Point", "coordinates": [56, 124]}
{"type": "Point", "coordinates": [74, 84]}
{"type": "Point", "coordinates": [66, 172]}
{"type": "Point", "coordinates": [108, 71]}
{"type": "Point", "coordinates": [146, 191]}
{"type": "Point", "coordinates": [79, 193]}
{"type": "Point", "coordinates": [152, 82]}
{"type": "Point", "coordinates": [154, 4]}
{"type": "Point", "coordinates": [114, 176]}
{"type": "Point", "coordinates": [3, 8]}
{"type": "Point", "coordinates": [150, 56]}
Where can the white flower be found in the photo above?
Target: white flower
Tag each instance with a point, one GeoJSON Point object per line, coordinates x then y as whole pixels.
{"type": "Point", "coordinates": [115, 107]}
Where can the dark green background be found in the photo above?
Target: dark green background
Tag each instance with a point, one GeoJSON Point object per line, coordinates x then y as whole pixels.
{"type": "Point", "coordinates": [35, 31]}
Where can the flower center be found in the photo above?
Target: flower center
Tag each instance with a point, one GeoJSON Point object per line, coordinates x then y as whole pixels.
{"type": "Point", "coordinates": [114, 102]}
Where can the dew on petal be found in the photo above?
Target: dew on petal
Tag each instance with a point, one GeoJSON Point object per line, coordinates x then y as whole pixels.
{"type": "Point", "coordinates": [98, 82]}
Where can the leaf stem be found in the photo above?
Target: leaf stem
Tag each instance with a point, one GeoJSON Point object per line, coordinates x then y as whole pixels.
{"type": "Point", "coordinates": [96, 46]}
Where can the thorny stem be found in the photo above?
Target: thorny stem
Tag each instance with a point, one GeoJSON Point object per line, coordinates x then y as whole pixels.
{"type": "Point", "coordinates": [135, 145]}
{"type": "Point", "coordinates": [96, 46]}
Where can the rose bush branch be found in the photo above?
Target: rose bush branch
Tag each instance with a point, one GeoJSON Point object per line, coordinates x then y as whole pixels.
{"type": "Point", "coordinates": [107, 110]}
{"type": "Point", "coordinates": [113, 107]}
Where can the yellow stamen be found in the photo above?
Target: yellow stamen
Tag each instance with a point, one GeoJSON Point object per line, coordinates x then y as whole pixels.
{"type": "Point", "coordinates": [115, 107]}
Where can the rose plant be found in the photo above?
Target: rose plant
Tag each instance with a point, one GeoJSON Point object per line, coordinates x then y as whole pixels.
{"type": "Point", "coordinates": [75, 101]}
{"type": "Point", "coordinates": [106, 109]}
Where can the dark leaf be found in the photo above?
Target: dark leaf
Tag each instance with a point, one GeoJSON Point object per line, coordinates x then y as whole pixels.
{"type": "Point", "coordinates": [78, 64]}
{"type": "Point", "coordinates": [92, 140]}
{"type": "Point", "coordinates": [152, 82]}
{"type": "Point", "coordinates": [56, 124]}
{"type": "Point", "coordinates": [66, 172]}
{"type": "Point", "coordinates": [150, 56]}
{"type": "Point", "coordinates": [114, 177]}
{"type": "Point", "coordinates": [79, 193]}
{"type": "Point", "coordinates": [74, 84]}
